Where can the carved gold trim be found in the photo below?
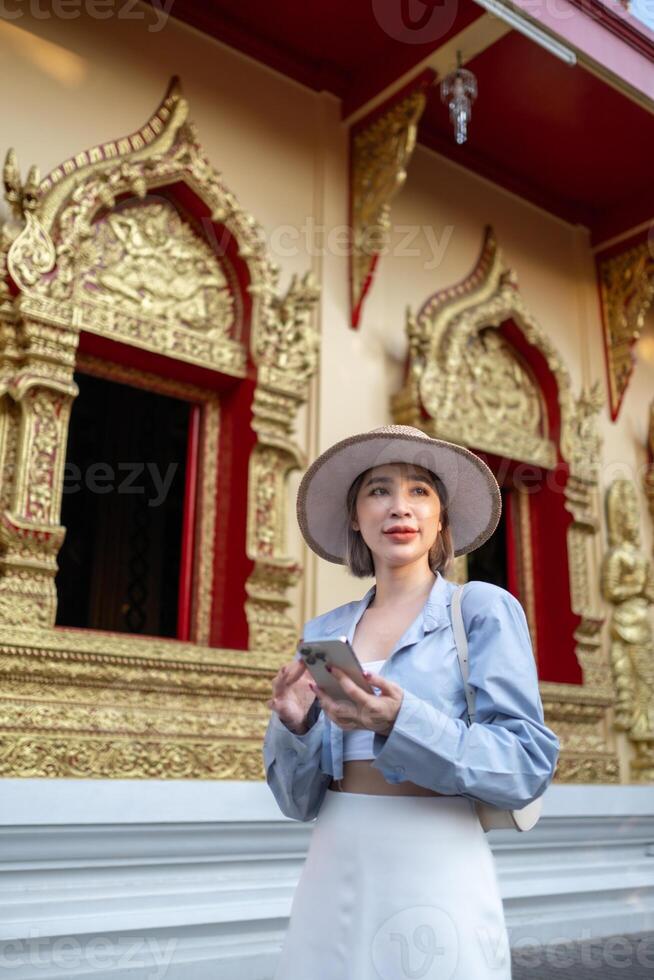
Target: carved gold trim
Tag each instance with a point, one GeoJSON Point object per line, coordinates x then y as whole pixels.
{"type": "Point", "coordinates": [626, 284]}
{"type": "Point", "coordinates": [286, 359]}
{"type": "Point", "coordinates": [381, 152]}
{"type": "Point", "coordinates": [87, 703]}
{"type": "Point", "coordinates": [526, 568]}
{"type": "Point", "coordinates": [91, 704]}
{"type": "Point", "coordinates": [649, 473]}
{"type": "Point", "coordinates": [628, 584]}
{"type": "Point", "coordinates": [453, 343]}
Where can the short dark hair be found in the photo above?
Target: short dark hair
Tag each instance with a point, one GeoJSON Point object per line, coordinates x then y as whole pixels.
{"type": "Point", "coordinates": [358, 556]}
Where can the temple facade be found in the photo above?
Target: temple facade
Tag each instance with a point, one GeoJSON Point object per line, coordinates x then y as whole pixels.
{"type": "Point", "coordinates": [229, 239]}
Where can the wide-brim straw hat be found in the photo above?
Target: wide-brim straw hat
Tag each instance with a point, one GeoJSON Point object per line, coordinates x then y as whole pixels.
{"type": "Point", "coordinates": [474, 502]}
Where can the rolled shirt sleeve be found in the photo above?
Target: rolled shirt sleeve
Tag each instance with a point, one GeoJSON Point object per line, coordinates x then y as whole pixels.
{"type": "Point", "coordinates": [292, 764]}
{"type": "Point", "coordinates": [507, 756]}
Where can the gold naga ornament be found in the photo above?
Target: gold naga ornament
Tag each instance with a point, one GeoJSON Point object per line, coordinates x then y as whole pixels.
{"type": "Point", "coordinates": [628, 584]}
{"type": "Point", "coordinates": [381, 150]}
{"type": "Point", "coordinates": [626, 292]}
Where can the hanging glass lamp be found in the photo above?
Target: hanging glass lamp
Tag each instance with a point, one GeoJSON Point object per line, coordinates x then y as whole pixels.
{"type": "Point", "coordinates": [459, 91]}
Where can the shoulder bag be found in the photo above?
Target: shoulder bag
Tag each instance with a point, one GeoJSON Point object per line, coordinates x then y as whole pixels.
{"type": "Point", "coordinates": [490, 817]}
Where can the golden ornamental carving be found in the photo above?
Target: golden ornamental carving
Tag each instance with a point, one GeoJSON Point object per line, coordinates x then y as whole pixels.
{"type": "Point", "coordinates": [285, 350]}
{"type": "Point", "coordinates": [129, 263]}
{"type": "Point", "coordinates": [30, 534]}
{"type": "Point", "coordinates": [581, 441]}
{"type": "Point", "coordinates": [381, 152]}
{"type": "Point", "coordinates": [628, 584]}
{"type": "Point", "coordinates": [649, 473]}
{"type": "Point", "coordinates": [145, 258]}
{"type": "Point", "coordinates": [31, 255]}
{"type": "Point", "coordinates": [135, 707]}
{"type": "Point", "coordinates": [468, 377]}
{"type": "Point", "coordinates": [466, 383]}
{"type": "Point", "coordinates": [285, 347]}
{"type": "Point", "coordinates": [80, 206]}
{"type": "Point", "coordinates": [626, 285]}
{"type": "Point", "coordinates": [119, 758]}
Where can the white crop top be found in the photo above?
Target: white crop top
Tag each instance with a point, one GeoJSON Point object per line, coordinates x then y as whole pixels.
{"type": "Point", "coordinates": [357, 744]}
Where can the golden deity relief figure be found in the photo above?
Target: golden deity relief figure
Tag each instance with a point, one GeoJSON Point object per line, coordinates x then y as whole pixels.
{"type": "Point", "coordinates": [500, 386]}
{"type": "Point", "coordinates": [628, 583]}
{"type": "Point", "coordinates": [148, 261]}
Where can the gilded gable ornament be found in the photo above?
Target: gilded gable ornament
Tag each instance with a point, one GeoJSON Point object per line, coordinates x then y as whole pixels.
{"type": "Point", "coordinates": [467, 376]}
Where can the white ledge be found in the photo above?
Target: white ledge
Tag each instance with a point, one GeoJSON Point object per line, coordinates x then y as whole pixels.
{"type": "Point", "coordinates": [49, 802]}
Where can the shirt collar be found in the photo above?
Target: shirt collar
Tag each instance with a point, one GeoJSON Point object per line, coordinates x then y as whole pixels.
{"type": "Point", "coordinates": [434, 613]}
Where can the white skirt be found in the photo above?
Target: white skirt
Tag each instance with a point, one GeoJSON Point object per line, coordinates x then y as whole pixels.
{"type": "Point", "coordinates": [396, 887]}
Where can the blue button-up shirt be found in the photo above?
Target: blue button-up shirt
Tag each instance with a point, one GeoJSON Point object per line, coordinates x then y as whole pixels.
{"type": "Point", "coordinates": [506, 757]}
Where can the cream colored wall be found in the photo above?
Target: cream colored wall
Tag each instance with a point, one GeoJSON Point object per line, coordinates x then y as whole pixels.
{"type": "Point", "coordinates": [283, 151]}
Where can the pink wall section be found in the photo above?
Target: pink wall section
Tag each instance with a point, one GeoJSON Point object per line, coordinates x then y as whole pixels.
{"type": "Point", "coordinates": [597, 43]}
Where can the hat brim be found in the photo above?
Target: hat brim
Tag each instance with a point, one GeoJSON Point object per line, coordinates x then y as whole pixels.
{"type": "Point", "coordinates": [474, 499]}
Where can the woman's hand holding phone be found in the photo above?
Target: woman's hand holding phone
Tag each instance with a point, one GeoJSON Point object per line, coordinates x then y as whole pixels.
{"type": "Point", "coordinates": [376, 712]}
{"type": "Point", "coordinates": [292, 696]}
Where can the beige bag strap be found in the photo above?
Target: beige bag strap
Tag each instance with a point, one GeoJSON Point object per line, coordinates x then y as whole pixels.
{"type": "Point", "coordinates": [461, 641]}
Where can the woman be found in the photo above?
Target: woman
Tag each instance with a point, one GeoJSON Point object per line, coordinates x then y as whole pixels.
{"type": "Point", "coordinates": [399, 879]}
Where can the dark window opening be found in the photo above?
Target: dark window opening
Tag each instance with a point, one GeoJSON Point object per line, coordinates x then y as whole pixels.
{"type": "Point", "coordinates": [123, 510]}
{"type": "Point", "coordinates": [489, 562]}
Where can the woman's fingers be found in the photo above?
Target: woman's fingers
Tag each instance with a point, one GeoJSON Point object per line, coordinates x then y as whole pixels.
{"type": "Point", "coordinates": [341, 712]}
{"type": "Point", "coordinates": [286, 676]}
{"type": "Point", "coordinates": [298, 667]}
{"type": "Point", "coordinates": [353, 691]}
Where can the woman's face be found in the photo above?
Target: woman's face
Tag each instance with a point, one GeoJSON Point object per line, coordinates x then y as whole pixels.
{"type": "Point", "coordinates": [398, 495]}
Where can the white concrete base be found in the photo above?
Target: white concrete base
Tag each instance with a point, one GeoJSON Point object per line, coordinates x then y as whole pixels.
{"type": "Point", "coordinates": [193, 880]}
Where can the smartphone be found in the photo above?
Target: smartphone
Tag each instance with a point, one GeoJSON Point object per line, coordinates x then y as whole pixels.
{"type": "Point", "coordinates": [318, 653]}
